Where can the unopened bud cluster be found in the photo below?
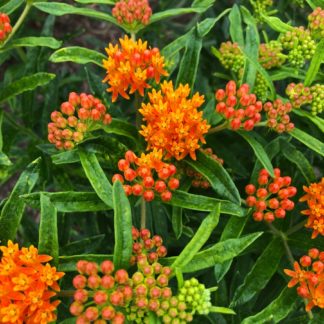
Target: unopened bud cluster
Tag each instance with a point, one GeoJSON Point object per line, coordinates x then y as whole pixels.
{"type": "Point", "coordinates": [5, 27]}
{"type": "Point", "coordinates": [132, 12]}
{"type": "Point", "coordinates": [270, 55]}
{"type": "Point", "coordinates": [316, 23]}
{"type": "Point", "coordinates": [199, 181]}
{"type": "Point", "coordinates": [278, 116]}
{"type": "Point", "coordinates": [261, 89]}
{"type": "Point", "coordinates": [196, 296]}
{"type": "Point", "coordinates": [238, 106]}
{"type": "Point", "coordinates": [299, 44]}
{"type": "Point", "coordinates": [231, 56]}
{"type": "Point", "coordinates": [300, 95]}
{"type": "Point", "coordinates": [147, 177]}
{"type": "Point", "coordinates": [308, 274]}
{"type": "Point", "coordinates": [261, 7]}
{"type": "Point", "coordinates": [76, 117]}
{"type": "Point", "coordinates": [270, 199]}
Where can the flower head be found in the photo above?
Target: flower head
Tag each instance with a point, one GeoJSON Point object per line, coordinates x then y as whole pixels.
{"type": "Point", "coordinates": [315, 212]}
{"type": "Point", "coordinates": [316, 22]}
{"type": "Point", "coordinates": [5, 27]}
{"type": "Point", "coordinates": [26, 286]}
{"type": "Point", "coordinates": [173, 122]}
{"type": "Point", "coordinates": [130, 66]}
{"type": "Point", "coordinates": [270, 55]}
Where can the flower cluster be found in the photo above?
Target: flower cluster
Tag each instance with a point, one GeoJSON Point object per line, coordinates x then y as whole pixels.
{"type": "Point", "coordinates": [309, 275]}
{"type": "Point", "coordinates": [27, 285]}
{"type": "Point", "coordinates": [315, 212]}
{"type": "Point", "coordinates": [299, 44]}
{"type": "Point", "coordinates": [270, 199]}
{"type": "Point", "coordinates": [141, 173]}
{"type": "Point", "coordinates": [105, 294]}
{"type": "Point", "coordinates": [316, 22]}
{"type": "Point", "coordinates": [231, 56]}
{"type": "Point", "coordinates": [278, 116]}
{"type": "Point", "coordinates": [238, 106]}
{"type": "Point", "coordinates": [78, 115]}
{"type": "Point", "coordinates": [130, 66]}
{"type": "Point", "coordinates": [300, 95]}
{"type": "Point", "coordinates": [261, 7]}
{"type": "Point", "coordinates": [199, 181]}
{"type": "Point", "coordinates": [132, 12]}
{"type": "Point", "coordinates": [173, 122]}
{"type": "Point", "coordinates": [5, 27]}
{"type": "Point", "coordinates": [270, 55]}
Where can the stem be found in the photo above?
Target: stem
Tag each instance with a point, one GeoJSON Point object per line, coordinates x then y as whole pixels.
{"type": "Point", "coordinates": [18, 23]}
{"type": "Point", "coordinates": [296, 228]}
{"type": "Point", "coordinates": [143, 213]}
{"type": "Point", "coordinates": [133, 36]}
{"type": "Point", "coordinates": [264, 123]}
{"type": "Point", "coordinates": [218, 128]}
{"type": "Point", "coordinates": [65, 293]}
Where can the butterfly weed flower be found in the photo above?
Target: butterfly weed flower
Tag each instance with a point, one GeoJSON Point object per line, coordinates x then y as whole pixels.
{"type": "Point", "coordinates": [130, 66]}
{"type": "Point", "coordinates": [173, 122]}
{"type": "Point", "coordinates": [231, 56]}
{"type": "Point", "coordinates": [27, 284]}
{"type": "Point", "coordinates": [270, 55]}
{"type": "Point", "coordinates": [316, 23]}
{"type": "Point", "coordinates": [315, 200]}
{"type": "Point", "coordinates": [5, 27]}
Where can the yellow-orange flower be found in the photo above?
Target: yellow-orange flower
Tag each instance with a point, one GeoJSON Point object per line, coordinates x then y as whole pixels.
{"type": "Point", "coordinates": [315, 212]}
{"type": "Point", "coordinates": [26, 286]}
{"type": "Point", "coordinates": [130, 66]}
{"type": "Point", "coordinates": [173, 122]}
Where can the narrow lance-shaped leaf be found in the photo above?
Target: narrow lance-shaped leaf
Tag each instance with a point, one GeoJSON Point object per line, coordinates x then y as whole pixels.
{"type": "Point", "coordinates": [33, 42]}
{"type": "Point", "coordinates": [259, 151]}
{"type": "Point", "coordinates": [200, 238]}
{"type": "Point", "coordinates": [316, 120]}
{"type": "Point", "coordinates": [11, 6]}
{"type": "Point", "coordinates": [107, 2]}
{"type": "Point", "coordinates": [317, 60]}
{"type": "Point", "coordinates": [279, 309]}
{"type": "Point", "coordinates": [261, 273]}
{"type": "Point", "coordinates": [4, 160]}
{"type": "Point", "coordinates": [277, 24]}
{"type": "Point", "coordinates": [96, 176]}
{"type": "Point", "coordinates": [218, 177]}
{"type": "Point", "coordinates": [236, 29]}
{"type": "Point", "coordinates": [27, 83]}
{"type": "Point", "coordinates": [48, 231]}
{"type": "Point", "coordinates": [14, 207]}
{"type": "Point", "coordinates": [123, 227]}
{"type": "Point", "coordinates": [76, 54]}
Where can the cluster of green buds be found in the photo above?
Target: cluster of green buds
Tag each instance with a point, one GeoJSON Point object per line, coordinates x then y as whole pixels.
{"type": "Point", "coordinates": [316, 23]}
{"type": "Point", "coordinates": [270, 55]}
{"type": "Point", "coordinates": [300, 95]}
{"type": "Point", "coordinates": [261, 87]}
{"type": "Point", "coordinates": [299, 44]}
{"type": "Point", "coordinates": [196, 296]}
{"type": "Point", "coordinates": [260, 7]}
{"type": "Point", "coordinates": [231, 56]}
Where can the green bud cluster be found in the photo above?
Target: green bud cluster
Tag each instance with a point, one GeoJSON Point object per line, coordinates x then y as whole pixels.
{"type": "Point", "coordinates": [260, 87]}
{"type": "Point", "coordinates": [316, 23]}
{"type": "Point", "coordinates": [260, 7]}
{"type": "Point", "coordinates": [299, 44]}
{"type": "Point", "coordinates": [231, 56]}
{"type": "Point", "coordinates": [196, 296]}
{"type": "Point", "coordinates": [300, 95]}
{"type": "Point", "coordinates": [270, 55]}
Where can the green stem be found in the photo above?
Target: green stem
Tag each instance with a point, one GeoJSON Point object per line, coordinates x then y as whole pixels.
{"type": "Point", "coordinates": [65, 293]}
{"type": "Point", "coordinates": [133, 36]}
{"type": "Point", "coordinates": [218, 128]}
{"type": "Point", "coordinates": [19, 22]}
{"type": "Point", "coordinates": [296, 228]}
{"type": "Point", "coordinates": [143, 213]}
{"type": "Point", "coordinates": [264, 123]}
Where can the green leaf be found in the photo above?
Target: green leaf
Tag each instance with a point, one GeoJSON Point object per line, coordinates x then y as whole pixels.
{"type": "Point", "coordinates": [200, 238]}
{"type": "Point", "coordinates": [76, 54]}
{"type": "Point", "coordinates": [222, 310]}
{"type": "Point", "coordinates": [205, 26]}
{"type": "Point", "coordinates": [204, 203]}
{"type": "Point", "coordinates": [123, 227]}
{"type": "Point", "coordinates": [107, 2]}
{"type": "Point", "coordinates": [218, 253]}
{"type": "Point", "coordinates": [290, 152]}
{"type": "Point", "coordinates": [190, 61]}
{"type": "Point", "coordinates": [279, 309]}
{"type": "Point", "coordinates": [48, 232]}
{"type": "Point", "coordinates": [286, 72]}
{"type": "Point", "coordinates": [203, 4]}
{"type": "Point", "coordinates": [315, 3]}
{"type": "Point", "coordinates": [26, 83]}
{"type": "Point", "coordinates": [310, 141]}
{"type": "Point", "coordinates": [236, 30]}
{"type": "Point", "coordinates": [259, 151]}
{"type": "Point", "coordinates": [14, 207]}
{"type": "Point", "coordinates": [66, 157]}
{"type": "Point", "coordinates": [86, 245]}
{"type": "Point", "coordinates": [4, 160]}
{"type": "Point", "coordinates": [69, 201]}
{"type": "Point", "coordinates": [263, 269]}
{"type": "Point", "coordinates": [316, 120]}
{"type": "Point", "coordinates": [33, 42]}
{"type": "Point", "coordinates": [315, 64]}
{"type": "Point", "coordinates": [177, 221]}
{"type": "Point", "coordinates": [11, 6]}
{"type": "Point", "coordinates": [277, 24]}
{"type": "Point", "coordinates": [96, 176]}
{"type": "Point", "coordinates": [218, 177]}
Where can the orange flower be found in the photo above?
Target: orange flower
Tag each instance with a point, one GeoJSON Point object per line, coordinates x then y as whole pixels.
{"type": "Point", "coordinates": [130, 66]}
{"type": "Point", "coordinates": [173, 122]}
{"type": "Point", "coordinates": [298, 275]}
{"type": "Point", "coordinates": [26, 286]}
{"type": "Point", "coordinates": [315, 212]}
{"type": "Point", "coordinates": [5, 27]}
